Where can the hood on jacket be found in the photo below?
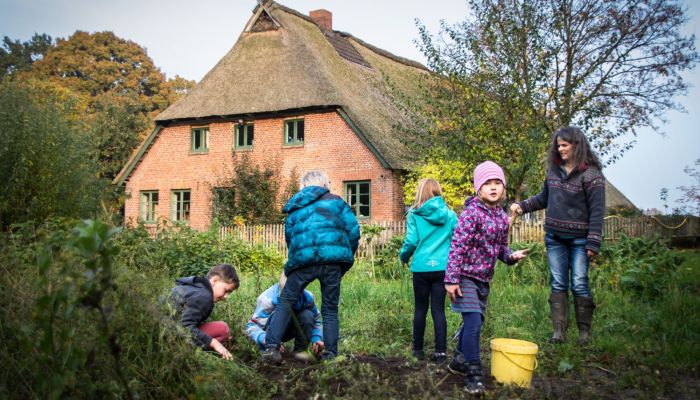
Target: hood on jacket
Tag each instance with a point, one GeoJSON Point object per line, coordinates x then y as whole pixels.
{"type": "Point", "coordinates": [196, 281]}
{"type": "Point", "coordinates": [434, 211]}
{"type": "Point", "coordinates": [304, 197]}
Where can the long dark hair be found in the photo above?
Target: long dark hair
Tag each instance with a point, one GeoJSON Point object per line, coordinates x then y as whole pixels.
{"type": "Point", "coordinates": [582, 156]}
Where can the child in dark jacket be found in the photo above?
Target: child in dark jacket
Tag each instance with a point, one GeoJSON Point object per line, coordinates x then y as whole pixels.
{"type": "Point", "coordinates": [193, 299]}
{"type": "Point", "coordinates": [481, 237]}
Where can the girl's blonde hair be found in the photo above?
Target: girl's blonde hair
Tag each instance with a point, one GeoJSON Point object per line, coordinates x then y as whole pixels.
{"type": "Point", "coordinates": [426, 190]}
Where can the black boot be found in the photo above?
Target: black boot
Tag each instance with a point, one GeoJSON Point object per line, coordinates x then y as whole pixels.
{"type": "Point", "coordinates": [584, 307]}
{"type": "Point", "coordinates": [473, 382]}
{"type": "Point", "coordinates": [559, 307]}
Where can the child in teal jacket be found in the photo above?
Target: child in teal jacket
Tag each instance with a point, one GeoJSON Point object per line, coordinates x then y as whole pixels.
{"type": "Point", "coordinates": [429, 227]}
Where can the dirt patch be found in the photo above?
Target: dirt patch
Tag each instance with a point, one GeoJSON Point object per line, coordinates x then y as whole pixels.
{"type": "Point", "coordinates": [370, 377]}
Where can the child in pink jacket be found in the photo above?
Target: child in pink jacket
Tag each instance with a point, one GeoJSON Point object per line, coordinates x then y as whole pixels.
{"type": "Point", "coordinates": [480, 238]}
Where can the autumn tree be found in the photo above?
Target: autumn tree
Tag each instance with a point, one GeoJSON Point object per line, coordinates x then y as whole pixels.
{"type": "Point", "coordinates": [516, 70]}
{"type": "Point", "coordinates": [120, 88]}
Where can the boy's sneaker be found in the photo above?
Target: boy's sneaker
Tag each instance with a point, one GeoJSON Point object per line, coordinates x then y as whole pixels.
{"type": "Point", "coordinates": [457, 365]}
{"type": "Point", "coordinates": [270, 356]}
{"type": "Point", "coordinates": [418, 354]}
{"type": "Point", "coordinates": [473, 383]}
{"type": "Point", "coordinates": [327, 356]}
{"type": "Point", "coordinates": [438, 358]}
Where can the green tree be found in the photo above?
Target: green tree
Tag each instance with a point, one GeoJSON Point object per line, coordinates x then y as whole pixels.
{"type": "Point", "coordinates": [47, 166]}
{"type": "Point", "coordinates": [516, 70]}
{"type": "Point", "coordinates": [16, 56]}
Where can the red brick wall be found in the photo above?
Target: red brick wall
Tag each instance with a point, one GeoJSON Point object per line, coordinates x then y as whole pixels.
{"type": "Point", "coordinates": [329, 145]}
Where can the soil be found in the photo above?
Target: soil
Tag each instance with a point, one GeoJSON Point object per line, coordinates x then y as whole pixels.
{"type": "Point", "coordinates": [370, 377]}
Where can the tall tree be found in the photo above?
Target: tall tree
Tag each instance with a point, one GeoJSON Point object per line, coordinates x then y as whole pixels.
{"type": "Point", "coordinates": [516, 70]}
{"type": "Point", "coordinates": [47, 166]}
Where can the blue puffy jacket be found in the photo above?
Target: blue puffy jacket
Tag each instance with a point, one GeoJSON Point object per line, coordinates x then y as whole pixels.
{"type": "Point", "coordinates": [320, 229]}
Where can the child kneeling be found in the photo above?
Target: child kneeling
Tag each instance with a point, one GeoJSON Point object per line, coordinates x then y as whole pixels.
{"type": "Point", "coordinates": [304, 326]}
{"type": "Point", "coordinates": [193, 300]}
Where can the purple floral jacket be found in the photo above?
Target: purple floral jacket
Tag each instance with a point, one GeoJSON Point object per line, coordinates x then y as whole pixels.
{"type": "Point", "coordinates": [480, 237]}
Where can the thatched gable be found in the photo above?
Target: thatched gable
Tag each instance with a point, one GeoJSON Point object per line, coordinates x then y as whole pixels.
{"type": "Point", "coordinates": [615, 199]}
{"type": "Point", "coordinates": [298, 67]}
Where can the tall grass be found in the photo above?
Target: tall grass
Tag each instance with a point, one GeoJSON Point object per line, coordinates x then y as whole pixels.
{"type": "Point", "coordinates": [647, 297]}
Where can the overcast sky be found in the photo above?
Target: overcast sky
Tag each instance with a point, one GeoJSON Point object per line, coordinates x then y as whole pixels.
{"type": "Point", "coordinates": [188, 38]}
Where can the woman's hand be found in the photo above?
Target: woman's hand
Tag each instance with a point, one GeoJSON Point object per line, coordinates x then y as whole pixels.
{"type": "Point", "coordinates": [515, 208]}
{"type": "Point", "coordinates": [453, 291]}
{"type": "Point", "coordinates": [219, 348]}
{"type": "Point", "coordinates": [590, 253]}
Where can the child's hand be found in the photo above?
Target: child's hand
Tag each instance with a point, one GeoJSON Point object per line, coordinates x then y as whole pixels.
{"type": "Point", "coordinates": [453, 291]}
{"type": "Point", "coordinates": [317, 347]}
{"type": "Point", "coordinates": [515, 208]}
{"type": "Point", "coordinates": [219, 348]}
{"type": "Point", "coordinates": [520, 254]}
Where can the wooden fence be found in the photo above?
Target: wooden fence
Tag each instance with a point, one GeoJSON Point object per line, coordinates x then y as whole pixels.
{"type": "Point", "coordinates": [527, 229]}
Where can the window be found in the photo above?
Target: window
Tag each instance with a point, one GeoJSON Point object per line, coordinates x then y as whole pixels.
{"type": "Point", "coordinates": [148, 205]}
{"type": "Point", "coordinates": [180, 205]}
{"type": "Point", "coordinates": [243, 136]}
{"type": "Point", "coordinates": [294, 132]}
{"type": "Point", "coordinates": [223, 204]}
{"type": "Point", "coordinates": [200, 140]}
{"type": "Point", "coordinates": [357, 195]}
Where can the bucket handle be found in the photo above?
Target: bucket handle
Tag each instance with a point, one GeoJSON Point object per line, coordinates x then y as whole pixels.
{"type": "Point", "coordinates": [513, 361]}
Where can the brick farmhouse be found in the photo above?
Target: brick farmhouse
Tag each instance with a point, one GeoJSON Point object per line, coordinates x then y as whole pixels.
{"type": "Point", "coordinates": [291, 91]}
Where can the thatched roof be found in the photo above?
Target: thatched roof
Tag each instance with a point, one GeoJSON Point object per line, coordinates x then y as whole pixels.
{"type": "Point", "coordinates": [615, 199]}
{"type": "Point", "coordinates": [284, 61]}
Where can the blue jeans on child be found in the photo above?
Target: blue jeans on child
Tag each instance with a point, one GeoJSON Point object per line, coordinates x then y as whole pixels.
{"type": "Point", "coordinates": [470, 336]}
{"type": "Point", "coordinates": [564, 256]}
{"type": "Point", "coordinates": [329, 276]}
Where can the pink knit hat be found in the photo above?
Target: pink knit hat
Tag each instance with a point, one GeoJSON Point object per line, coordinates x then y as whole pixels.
{"type": "Point", "coordinates": [485, 171]}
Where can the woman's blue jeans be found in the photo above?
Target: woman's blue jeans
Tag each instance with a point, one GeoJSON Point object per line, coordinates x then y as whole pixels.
{"type": "Point", "coordinates": [567, 256]}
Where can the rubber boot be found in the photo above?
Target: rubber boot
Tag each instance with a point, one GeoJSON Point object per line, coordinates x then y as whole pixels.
{"type": "Point", "coordinates": [584, 307]}
{"type": "Point", "coordinates": [559, 307]}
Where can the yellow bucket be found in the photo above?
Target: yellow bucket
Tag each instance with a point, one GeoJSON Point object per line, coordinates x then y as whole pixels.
{"type": "Point", "coordinates": [512, 361]}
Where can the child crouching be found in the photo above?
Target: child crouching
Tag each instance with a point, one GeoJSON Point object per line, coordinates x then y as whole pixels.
{"type": "Point", "coordinates": [193, 299]}
{"type": "Point", "coordinates": [481, 237]}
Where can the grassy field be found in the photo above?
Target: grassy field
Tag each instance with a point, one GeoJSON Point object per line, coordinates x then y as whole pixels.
{"type": "Point", "coordinates": [75, 325]}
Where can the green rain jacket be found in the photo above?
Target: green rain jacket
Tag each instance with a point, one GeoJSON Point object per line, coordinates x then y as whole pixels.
{"type": "Point", "coordinates": [428, 235]}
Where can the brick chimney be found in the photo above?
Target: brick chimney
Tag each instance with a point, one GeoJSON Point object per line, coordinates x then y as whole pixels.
{"type": "Point", "coordinates": [322, 18]}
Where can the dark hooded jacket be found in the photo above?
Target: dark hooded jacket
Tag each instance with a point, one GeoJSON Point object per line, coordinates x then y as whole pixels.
{"type": "Point", "coordinates": [320, 229]}
{"type": "Point", "coordinates": [193, 301]}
